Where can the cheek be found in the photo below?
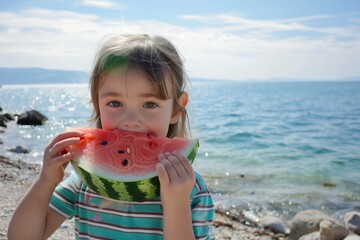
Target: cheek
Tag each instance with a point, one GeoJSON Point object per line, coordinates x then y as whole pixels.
{"type": "Point", "coordinates": [108, 119]}
{"type": "Point", "coordinates": [161, 123]}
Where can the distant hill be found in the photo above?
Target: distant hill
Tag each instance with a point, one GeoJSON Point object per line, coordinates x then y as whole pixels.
{"type": "Point", "coordinates": [48, 76]}
{"type": "Point", "coordinates": [40, 76]}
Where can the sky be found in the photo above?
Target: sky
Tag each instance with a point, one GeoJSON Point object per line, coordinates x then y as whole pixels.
{"type": "Point", "coordinates": [227, 39]}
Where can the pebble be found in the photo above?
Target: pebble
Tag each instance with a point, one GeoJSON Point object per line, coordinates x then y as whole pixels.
{"type": "Point", "coordinates": [19, 149]}
{"type": "Point", "coordinates": [352, 221]}
{"type": "Point", "coordinates": [274, 224]}
{"type": "Point", "coordinates": [330, 230]}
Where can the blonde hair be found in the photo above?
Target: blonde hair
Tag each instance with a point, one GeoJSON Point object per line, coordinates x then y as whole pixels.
{"type": "Point", "coordinates": [156, 58]}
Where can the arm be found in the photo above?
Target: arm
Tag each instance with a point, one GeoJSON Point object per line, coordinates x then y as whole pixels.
{"type": "Point", "coordinates": [177, 180]}
{"type": "Point", "coordinates": [33, 218]}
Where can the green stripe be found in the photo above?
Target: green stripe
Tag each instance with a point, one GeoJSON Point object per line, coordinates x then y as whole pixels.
{"type": "Point", "coordinates": [134, 190]}
{"type": "Point", "coordinates": [155, 181]}
{"type": "Point", "coordinates": [86, 177]}
{"type": "Point", "coordinates": [108, 188]}
{"type": "Point", "coordinates": [122, 192]}
{"type": "Point", "coordinates": [149, 188]}
{"type": "Point", "coordinates": [100, 186]}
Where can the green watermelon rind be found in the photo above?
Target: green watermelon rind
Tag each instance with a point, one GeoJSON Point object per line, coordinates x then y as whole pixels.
{"type": "Point", "coordinates": [131, 191]}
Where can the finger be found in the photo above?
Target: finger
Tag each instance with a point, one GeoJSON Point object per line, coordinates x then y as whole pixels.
{"type": "Point", "coordinates": [169, 167]}
{"type": "Point", "coordinates": [65, 151]}
{"type": "Point", "coordinates": [63, 136]}
{"type": "Point", "coordinates": [162, 174]}
{"type": "Point", "coordinates": [185, 162]}
{"type": "Point", "coordinates": [63, 159]}
{"type": "Point", "coordinates": [177, 165]}
{"type": "Point", "coordinates": [59, 147]}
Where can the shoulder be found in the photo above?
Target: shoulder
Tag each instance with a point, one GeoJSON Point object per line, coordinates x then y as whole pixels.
{"type": "Point", "coordinates": [200, 185]}
{"type": "Point", "coordinates": [73, 181]}
{"type": "Point", "coordinates": [201, 199]}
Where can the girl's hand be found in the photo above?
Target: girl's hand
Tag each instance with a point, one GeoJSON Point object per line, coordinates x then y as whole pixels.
{"type": "Point", "coordinates": [176, 177]}
{"type": "Point", "coordinates": [57, 156]}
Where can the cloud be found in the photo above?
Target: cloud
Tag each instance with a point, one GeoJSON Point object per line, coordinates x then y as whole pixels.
{"type": "Point", "coordinates": [247, 24]}
{"type": "Point", "coordinates": [222, 46]}
{"type": "Point", "coordinates": [247, 48]}
{"type": "Point", "coordinates": [297, 26]}
{"type": "Point", "coordinates": [102, 4]}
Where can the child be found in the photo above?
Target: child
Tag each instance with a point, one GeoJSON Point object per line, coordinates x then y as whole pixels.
{"type": "Point", "coordinates": [137, 85]}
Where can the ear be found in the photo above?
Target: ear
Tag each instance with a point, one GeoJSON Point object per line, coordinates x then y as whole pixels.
{"type": "Point", "coordinates": [183, 100]}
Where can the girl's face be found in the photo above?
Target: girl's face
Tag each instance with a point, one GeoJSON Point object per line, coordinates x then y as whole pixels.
{"type": "Point", "coordinates": [128, 101]}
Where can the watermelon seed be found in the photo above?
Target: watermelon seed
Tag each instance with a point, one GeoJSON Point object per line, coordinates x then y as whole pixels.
{"type": "Point", "coordinates": [125, 162]}
{"type": "Point", "coordinates": [103, 143]}
{"type": "Point", "coordinates": [121, 152]}
{"type": "Point", "coordinates": [128, 150]}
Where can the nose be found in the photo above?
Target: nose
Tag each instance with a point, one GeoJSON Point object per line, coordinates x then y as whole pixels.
{"type": "Point", "coordinates": [130, 120]}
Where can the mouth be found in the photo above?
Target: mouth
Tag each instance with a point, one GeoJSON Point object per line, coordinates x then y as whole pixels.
{"type": "Point", "coordinates": [148, 134]}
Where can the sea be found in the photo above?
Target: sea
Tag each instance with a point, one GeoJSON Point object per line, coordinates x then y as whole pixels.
{"type": "Point", "coordinates": [266, 148]}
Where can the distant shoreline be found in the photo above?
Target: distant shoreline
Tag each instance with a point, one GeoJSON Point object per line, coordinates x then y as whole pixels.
{"type": "Point", "coordinates": [39, 85]}
{"type": "Point", "coordinates": [14, 76]}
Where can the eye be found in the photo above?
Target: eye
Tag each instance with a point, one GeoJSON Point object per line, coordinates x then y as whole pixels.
{"type": "Point", "coordinates": [150, 105]}
{"type": "Point", "coordinates": [114, 104]}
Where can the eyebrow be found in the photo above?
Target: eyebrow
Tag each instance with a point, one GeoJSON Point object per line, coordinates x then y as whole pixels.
{"type": "Point", "coordinates": [110, 94]}
{"type": "Point", "coordinates": [116, 94]}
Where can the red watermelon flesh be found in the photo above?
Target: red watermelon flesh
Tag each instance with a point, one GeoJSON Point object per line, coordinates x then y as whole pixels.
{"type": "Point", "coordinates": [125, 156]}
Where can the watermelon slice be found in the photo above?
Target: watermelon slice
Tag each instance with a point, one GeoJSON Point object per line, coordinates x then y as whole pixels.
{"type": "Point", "coordinates": [121, 164]}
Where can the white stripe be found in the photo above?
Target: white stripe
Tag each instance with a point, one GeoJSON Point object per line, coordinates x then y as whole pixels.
{"type": "Point", "coordinates": [85, 236]}
{"type": "Point", "coordinates": [203, 209]}
{"type": "Point", "coordinates": [203, 238]}
{"type": "Point", "coordinates": [204, 223]}
{"type": "Point", "coordinates": [59, 211]}
{"type": "Point", "coordinates": [202, 194]}
{"type": "Point", "coordinates": [67, 187]}
{"type": "Point", "coordinates": [62, 198]}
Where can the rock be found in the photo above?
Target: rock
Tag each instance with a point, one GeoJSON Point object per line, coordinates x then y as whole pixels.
{"type": "Point", "coordinates": [329, 184]}
{"type": "Point", "coordinates": [311, 236]}
{"type": "Point", "coordinates": [305, 222]}
{"type": "Point", "coordinates": [330, 230]}
{"type": "Point", "coordinates": [4, 118]}
{"type": "Point", "coordinates": [7, 117]}
{"type": "Point", "coordinates": [18, 149]}
{"type": "Point", "coordinates": [32, 117]}
{"type": "Point", "coordinates": [352, 221]}
{"type": "Point", "coordinates": [274, 224]}
{"type": "Point", "coordinates": [1, 141]}
{"type": "Point", "coordinates": [352, 237]}
{"type": "Point", "coordinates": [2, 123]}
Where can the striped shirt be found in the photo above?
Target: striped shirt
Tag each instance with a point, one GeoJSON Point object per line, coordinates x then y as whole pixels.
{"type": "Point", "coordinates": [99, 217]}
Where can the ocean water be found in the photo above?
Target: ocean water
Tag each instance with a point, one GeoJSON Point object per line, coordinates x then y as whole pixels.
{"type": "Point", "coordinates": [265, 147]}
